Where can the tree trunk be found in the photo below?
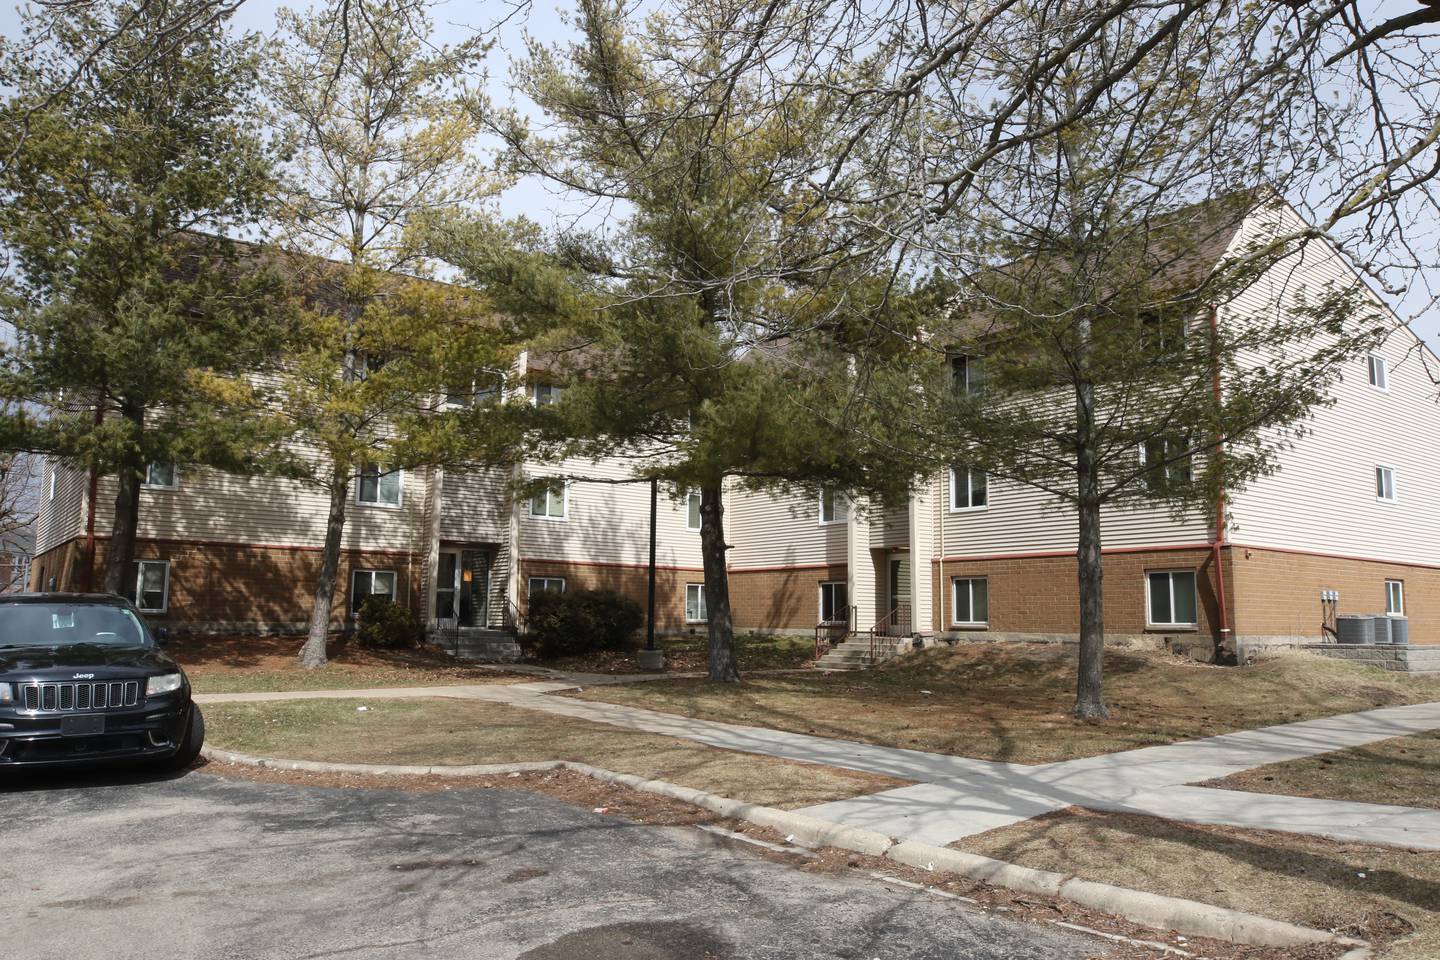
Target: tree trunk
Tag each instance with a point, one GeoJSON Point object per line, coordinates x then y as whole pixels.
{"type": "Point", "coordinates": [1090, 683]}
{"type": "Point", "coordinates": [121, 552]}
{"type": "Point", "coordinates": [721, 629]}
{"type": "Point", "coordinates": [312, 654]}
{"type": "Point", "coordinates": [119, 578]}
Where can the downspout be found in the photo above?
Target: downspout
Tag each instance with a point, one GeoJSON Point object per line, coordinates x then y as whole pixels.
{"type": "Point", "coordinates": [1217, 556]}
{"type": "Point", "coordinates": [92, 494]}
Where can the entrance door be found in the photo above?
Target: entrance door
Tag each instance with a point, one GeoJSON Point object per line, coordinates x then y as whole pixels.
{"type": "Point", "coordinates": [474, 587]}
{"type": "Point", "coordinates": [447, 589]}
{"type": "Point", "coordinates": [899, 612]}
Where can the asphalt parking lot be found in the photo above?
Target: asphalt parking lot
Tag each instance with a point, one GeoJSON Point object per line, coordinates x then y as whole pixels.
{"type": "Point", "coordinates": [203, 866]}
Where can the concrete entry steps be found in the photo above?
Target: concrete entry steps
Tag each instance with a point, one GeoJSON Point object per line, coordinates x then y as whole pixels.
{"type": "Point", "coordinates": [855, 653]}
{"type": "Point", "coordinates": [1405, 659]}
{"type": "Point", "coordinates": [476, 643]}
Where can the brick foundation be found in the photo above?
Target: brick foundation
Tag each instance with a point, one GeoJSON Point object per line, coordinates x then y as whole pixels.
{"type": "Point", "coordinates": [780, 599]}
{"type": "Point", "coordinates": [629, 581]}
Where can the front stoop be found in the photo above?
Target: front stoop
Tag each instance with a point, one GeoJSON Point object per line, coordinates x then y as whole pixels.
{"type": "Point", "coordinates": [854, 652]}
{"type": "Point", "coordinates": [1403, 658]}
{"type": "Point", "coordinates": [476, 643]}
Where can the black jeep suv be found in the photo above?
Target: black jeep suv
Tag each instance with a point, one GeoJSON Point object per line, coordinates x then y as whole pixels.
{"type": "Point", "coordinates": [83, 679]}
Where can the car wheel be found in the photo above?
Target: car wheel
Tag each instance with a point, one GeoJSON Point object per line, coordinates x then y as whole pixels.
{"type": "Point", "coordinates": [190, 746]}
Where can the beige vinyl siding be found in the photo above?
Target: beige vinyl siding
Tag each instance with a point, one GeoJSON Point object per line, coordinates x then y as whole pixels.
{"type": "Point", "coordinates": [890, 526]}
{"type": "Point", "coordinates": [1021, 519]}
{"type": "Point", "coordinates": [772, 529]}
{"type": "Point", "coordinates": [606, 521]}
{"type": "Point", "coordinates": [475, 506]}
{"type": "Point", "coordinates": [216, 506]}
{"type": "Point", "coordinates": [62, 518]}
{"type": "Point", "coordinates": [1322, 498]}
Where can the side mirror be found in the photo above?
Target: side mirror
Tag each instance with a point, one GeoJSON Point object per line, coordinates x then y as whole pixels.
{"type": "Point", "coordinates": [162, 634]}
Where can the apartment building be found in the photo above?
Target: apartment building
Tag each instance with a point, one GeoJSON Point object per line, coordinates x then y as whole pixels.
{"type": "Point", "coordinates": [1354, 509]}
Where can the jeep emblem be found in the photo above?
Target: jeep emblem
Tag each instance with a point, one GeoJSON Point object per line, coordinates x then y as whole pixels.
{"type": "Point", "coordinates": [83, 676]}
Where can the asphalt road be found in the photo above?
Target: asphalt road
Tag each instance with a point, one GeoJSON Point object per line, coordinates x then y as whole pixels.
{"type": "Point", "coordinates": [204, 867]}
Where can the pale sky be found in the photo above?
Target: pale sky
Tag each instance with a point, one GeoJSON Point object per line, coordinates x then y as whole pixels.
{"type": "Point", "coordinates": [510, 21]}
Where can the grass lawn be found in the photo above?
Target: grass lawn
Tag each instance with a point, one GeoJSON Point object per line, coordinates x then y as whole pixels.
{"type": "Point", "coordinates": [686, 653]}
{"type": "Point", "coordinates": [1012, 701]}
{"type": "Point", "coordinates": [1377, 893]}
{"type": "Point", "coordinates": [1404, 771]}
{"type": "Point", "coordinates": [438, 731]}
{"type": "Point", "coordinates": [248, 664]}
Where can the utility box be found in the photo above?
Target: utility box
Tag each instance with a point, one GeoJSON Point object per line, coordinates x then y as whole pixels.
{"type": "Point", "coordinates": [1355, 629]}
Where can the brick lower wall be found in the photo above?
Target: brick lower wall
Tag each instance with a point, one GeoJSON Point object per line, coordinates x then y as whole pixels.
{"type": "Point", "coordinates": [780, 599]}
{"type": "Point", "coordinates": [1278, 593]}
{"type": "Point", "coordinates": [630, 581]}
{"type": "Point", "coordinates": [241, 586]}
{"type": "Point", "coordinates": [1041, 595]}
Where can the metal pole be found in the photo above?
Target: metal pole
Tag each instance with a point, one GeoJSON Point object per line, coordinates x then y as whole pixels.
{"type": "Point", "coordinates": [650, 620]}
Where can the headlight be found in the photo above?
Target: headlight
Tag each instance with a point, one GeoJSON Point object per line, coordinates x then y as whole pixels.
{"type": "Point", "coordinates": [7, 693]}
{"type": "Point", "coordinates": [165, 683]}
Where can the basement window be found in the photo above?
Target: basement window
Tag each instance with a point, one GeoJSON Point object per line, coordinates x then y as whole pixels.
{"type": "Point", "coordinates": [1395, 598]}
{"type": "Point", "coordinates": [834, 602]}
{"type": "Point", "coordinates": [695, 611]}
{"type": "Point", "coordinates": [365, 584]}
{"type": "Point", "coordinates": [150, 588]}
{"type": "Point", "coordinates": [1171, 600]}
{"type": "Point", "coordinates": [545, 585]}
{"type": "Point", "coordinates": [972, 601]}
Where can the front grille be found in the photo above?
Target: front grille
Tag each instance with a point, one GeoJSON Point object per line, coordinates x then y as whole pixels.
{"type": "Point", "coordinates": [67, 697]}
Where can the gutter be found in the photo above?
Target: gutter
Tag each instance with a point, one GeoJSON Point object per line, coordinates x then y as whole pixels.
{"type": "Point", "coordinates": [1220, 497]}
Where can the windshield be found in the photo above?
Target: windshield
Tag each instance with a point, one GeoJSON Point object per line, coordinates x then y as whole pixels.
{"type": "Point", "coordinates": [68, 624]}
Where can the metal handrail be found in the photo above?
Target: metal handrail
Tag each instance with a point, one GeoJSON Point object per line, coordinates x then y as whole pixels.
{"type": "Point", "coordinates": [895, 618]}
{"type": "Point", "coordinates": [828, 627]}
{"type": "Point", "coordinates": [515, 620]}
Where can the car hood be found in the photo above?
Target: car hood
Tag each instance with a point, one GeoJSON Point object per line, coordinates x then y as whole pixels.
{"type": "Point", "coordinates": [104, 662]}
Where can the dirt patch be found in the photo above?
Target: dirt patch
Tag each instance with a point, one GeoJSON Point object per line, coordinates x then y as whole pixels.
{"type": "Point", "coordinates": [1385, 895]}
{"type": "Point", "coordinates": [1012, 702]}
{"type": "Point", "coordinates": [1403, 771]}
{"type": "Point", "coordinates": [247, 664]}
{"type": "Point", "coordinates": [688, 654]}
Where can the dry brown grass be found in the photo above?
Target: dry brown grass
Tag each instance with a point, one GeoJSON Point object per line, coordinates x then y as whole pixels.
{"type": "Point", "coordinates": [249, 664]}
{"type": "Point", "coordinates": [438, 731]}
{"type": "Point", "coordinates": [1404, 771]}
{"type": "Point", "coordinates": [1378, 893]}
{"type": "Point", "coordinates": [1012, 701]}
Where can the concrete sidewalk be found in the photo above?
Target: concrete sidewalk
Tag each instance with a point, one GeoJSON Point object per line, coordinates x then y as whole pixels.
{"type": "Point", "coordinates": [957, 797]}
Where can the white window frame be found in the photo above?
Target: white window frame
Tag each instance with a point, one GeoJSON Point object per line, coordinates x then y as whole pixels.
{"type": "Point", "coordinates": [174, 483]}
{"type": "Point", "coordinates": [692, 505]}
{"type": "Point", "coordinates": [1377, 371]}
{"type": "Point", "coordinates": [394, 587]}
{"type": "Point", "coordinates": [1170, 575]}
{"type": "Point", "coordinates": [54, 477]}
{"type": "Point", "coordinates": [551, 390]}
{"type": "Point", "coordinates": [955, 488]}
{"type": "Point", "coordinates": [1385, 480]}
{"type": "Point", "coordinates": [399, 473]}
{"type": "Point", "coordinates": [843, 608]}
{"type": "Point", "coordinates": [839, 512]}
{"type": "Point", "coordinates": [969, 362]}
{"type": "Point", "coordinates": [140, 566]}
{"type": "Point", "coordinates": [564, 514]}
{"type": "Point", "coordinates": [704, 610]}
{"type": "Point", "coordinates": [955, 583]}
{"type": "Point", "coordinates": [1395, 591]}
{"type": "Point", "coordinates": [544, 582]}
{"type": "Point", "coordinates": [1188, 464]}
{"type": "Point", "coordinates": [499, 391]}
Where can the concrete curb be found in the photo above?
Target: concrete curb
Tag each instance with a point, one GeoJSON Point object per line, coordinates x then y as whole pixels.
{"type": "Point", "coordinates": [1188, 917]}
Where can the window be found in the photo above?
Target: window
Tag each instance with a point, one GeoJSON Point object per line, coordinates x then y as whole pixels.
{"type": "Point", "coordinates": [161, 476]}
{"type": "Point", "coordinates": [371, 583]}
{"type": "Point", "coordinates": [1379, 373]}
{"type": "Point", "coordinates": [695, 603]}
{"type": "Point", "coordinates": [968, 374]}
{"type": "Point", "coordinates": [1172, 598]}
{"type": "Point", "coordinates": [1384, 484]}
{"type": "Point", "coordinates": [969, 489]}
{"type": "Point", "coordinates": [545, 585]}
{"type": "Point", "coordinates": [54, 475]}
{"type": "Point", "coordinates": [550, 502]}
{"type": "Point", "coordinates": [544, 394]}
{"type": "Point", "coordinates": [379, 487]}
{"type": "Point", "coordinates": [834, 602]}
{"type": "Point", "coordinates": [475, 393]}
{"type": "Point", "coordinates": [1395, 598]}
{"type": "Point", "coordinates": [692, 510]}
{"type": "Point", "coordinates": [1161, 334]}
{"type": "Point", "coordinates": [972, 601]}
{"type": "Point", "coordinates": [150, 590]}
{"type": "Point", "coordinates": [832, 506]}
{"type": "Point", "coordinates": [1165, 472]}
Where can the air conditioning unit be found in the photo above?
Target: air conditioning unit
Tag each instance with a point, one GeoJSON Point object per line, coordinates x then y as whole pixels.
{"type": "Point", "coordinates": [1351, 628]}
{"type": "Point", "coordinates": [1382, 628]}
{"type": "Point", "coordinates": [1400, 630]}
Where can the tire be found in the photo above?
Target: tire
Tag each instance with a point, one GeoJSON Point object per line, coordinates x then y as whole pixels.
{"type": "Point", "coordinates": [189, 747]}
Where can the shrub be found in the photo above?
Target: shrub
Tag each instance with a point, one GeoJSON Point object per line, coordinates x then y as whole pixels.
{"type": "Point", "coordinates": [566, 624]}
{"type": "Point", "coordinates": [387, 625]}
